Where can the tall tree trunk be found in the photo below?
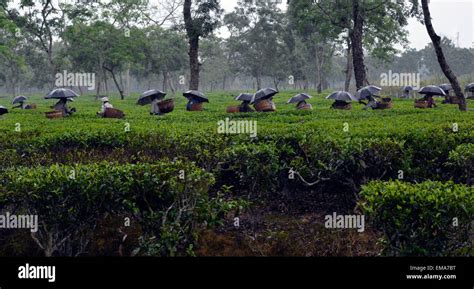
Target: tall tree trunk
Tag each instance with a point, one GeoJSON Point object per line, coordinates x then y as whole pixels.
{"type": "Point", "coordinates": [97, 92]}
{"type": "Point", "coordinates": [194, 63]}
{"type": "Point", "coordinates": [320, 64]}
{"type": "Point", "coordinates": [440, 54]}
{"type": "Point", "coordinates": [224, 81]}
{"type": "Point", "coordinates": [193, 38]}
{"type": "Point", "coordinates": [171, 83]}
{"type": "Point", "coordinates": [165, 80]}
{"type": "Point", "coordinates": [128, 82]}
{"type": "Point", "coordinates": [356, 35]}
{"type": "Point", "coordinates": [117, 84]}
{"type": "Point", "coordinates": [349, 66]}
{"type": "Point", "coordinates": [106, 84]}
{"type": "Point", "coordinates": [276, 82]}
{"type": "Point", "coordinates": [259, 82]}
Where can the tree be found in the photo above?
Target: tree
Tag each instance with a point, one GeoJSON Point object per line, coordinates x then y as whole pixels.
{"type": "Point", "coordinates": [215, 63]}
{"type": "Point", "coordinates": [42, 23]}
{"type": "Point", "coordinates": [165, 53]}
{"type": "Point", "coordinates": [201, 18]}
{"type": "Point", "coordinates": [101, 47]}
{"type": "Point", "coordinates": [317, 33]}
{"type": "Point", "coordinates": [374, 25]}
{"type": "Point", "coordinates": [11, 54]}
{"type": "Point", "coordinates": [257, 40]}
{"type": "Point", "coordinates": [436, 40]}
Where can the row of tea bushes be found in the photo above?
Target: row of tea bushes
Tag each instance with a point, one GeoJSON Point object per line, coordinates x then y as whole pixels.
{"type": "Point", "coordinates": [261, 166]}
{"type": "Point", "coordinates": [424, 219]}
{"type": "Point", "coordinates": [168, 200]}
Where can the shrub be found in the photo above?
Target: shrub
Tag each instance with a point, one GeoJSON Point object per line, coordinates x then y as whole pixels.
{"type": "Point", "coordinates": [69, 200]}
{"type": "Point", "coordinates": [251, 168]}
{"type": "Point", "coordinates": [461, 163]}
{"type": "Point", "coordinates": [420, 219]}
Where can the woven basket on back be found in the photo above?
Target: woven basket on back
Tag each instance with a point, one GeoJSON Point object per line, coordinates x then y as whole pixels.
{"type": "Point", "coordinates": [113, 113]}
{"type": "Point", "coordinates": [386, 103]}
{"type": "Point", "coordinates": [53, 114]}
{"type": "Point", "coordinates": [166, 106]}
{"type": "Point", "coordinates": [347, 106]}
{"type": "Point", "coordinates": [196, 107]}
{"type": "Point", "coordinates": [421, 104]}
{"type": "Point", "coordinates": [233, 109]}
{"type": "Point", "coordinates": [265, 106]}
{"type": "Point", "coordinates": [305, 106]}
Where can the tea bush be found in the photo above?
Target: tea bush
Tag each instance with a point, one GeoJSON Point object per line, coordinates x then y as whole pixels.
{"type": "Point", "coordinates": [461, 163]}
{"type": "Point", "coordinates": [168, 200]}
{"type": "Point", "coordinates": [425, 219]}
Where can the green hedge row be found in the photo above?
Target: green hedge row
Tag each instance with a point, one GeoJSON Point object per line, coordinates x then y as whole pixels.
{"type": "Point", "coordinates": [168, 200]}
{"type": "Point", "coordinates": [425, 219]}
{"type": "Point", "coordinates": [262, 165]}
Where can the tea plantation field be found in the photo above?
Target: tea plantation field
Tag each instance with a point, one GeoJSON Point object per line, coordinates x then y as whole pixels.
{"type": "Point", "coordinates": [172, 185]}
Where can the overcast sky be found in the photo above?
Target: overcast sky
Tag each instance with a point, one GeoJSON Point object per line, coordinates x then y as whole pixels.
{"type": "Point", "coordinates": [450, 17]}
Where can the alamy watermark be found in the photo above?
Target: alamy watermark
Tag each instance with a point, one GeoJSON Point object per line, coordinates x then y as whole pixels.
{"type": "Point", "coordinates": [66, 79]}
{"type": "Point", "coordinates": [229, 126]}
{"type": "Point", "coordinates": [400, 79]}
{"type": "Point", "coordinates": [37, 272]}
{"type": "Point", "coordinates": [9, 221]}
{"type": "Point", "coordinates": [336, 221]}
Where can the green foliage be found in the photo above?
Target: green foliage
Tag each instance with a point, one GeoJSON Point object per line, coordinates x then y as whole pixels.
{"type": "Point", "coordinates": [69, 201]}
{"type": "Point", "coordinates": [461, 163]}
{"type": "Point", "coordinates": [205, 18]}
{"type": "Point", "coordinates": [425, 219]}
{"type": "Point", "coordinates": [252, 168]}
{"type": "Point", "coordinates": [139, 164]}
{"type": "Point", "coordinates": [257, 40]}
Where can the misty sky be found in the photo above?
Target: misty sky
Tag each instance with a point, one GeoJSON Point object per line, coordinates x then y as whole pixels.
{"type": "Point", "coordinates": [449, 18]}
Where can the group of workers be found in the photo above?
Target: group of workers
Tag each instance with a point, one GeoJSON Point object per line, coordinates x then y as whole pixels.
{"type": "Point", "coordinates": [367, 96]}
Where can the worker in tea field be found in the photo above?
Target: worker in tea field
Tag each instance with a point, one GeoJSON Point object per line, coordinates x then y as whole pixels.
{"type": "Point", "coordinates": [369, 93]}
{"type": "Point", "coordinates": [105, 105]}
{"type": "Point", "coordinates": [300, 100]}
{"type": "Point", "coordinates": [431, 101]}
{"type": "Point", "coordinates": [195, 100]}
{"type": "Point", "coordinates": [373, 103]}
{"type": "Point", "coordinates": [429, 92]}
{"type": "Point", "coordinates": [155, 108]}
{"type": "Point", "coordinates": [61, 106]}
{"type": "Point", "coordinates": [21, 102]}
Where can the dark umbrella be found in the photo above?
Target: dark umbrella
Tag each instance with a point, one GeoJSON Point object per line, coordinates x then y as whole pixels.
{"type": "Point", "coordinates": [3, 110]}
{"type": "Point", "coordinates": [367, 91]}
{"type": "Point", "coordinates": [432, 90]}
{"type": "Point", "coordinates": [244, 97]}
{"type": "Point", "coordinates": [299, 98]}
{"type": "Point", "coordinates": [19, 99]}
{"type": "Point", "coordinates": [341, 96]}
{"type": "Point", "coordinates": [196, 95]}
{"type": "Point", "coordinates": [266, 93]}
{"type": "Point", "coordinates": [148, 96]}
{"type": "Point", "coordinates": [470, 87]}
{"type": "Point", "coordinates": [446, 87]}
{"type": "Point", "coordinates": [61, 93]}
{"type": "Point", "coordinates": [407, 88]}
